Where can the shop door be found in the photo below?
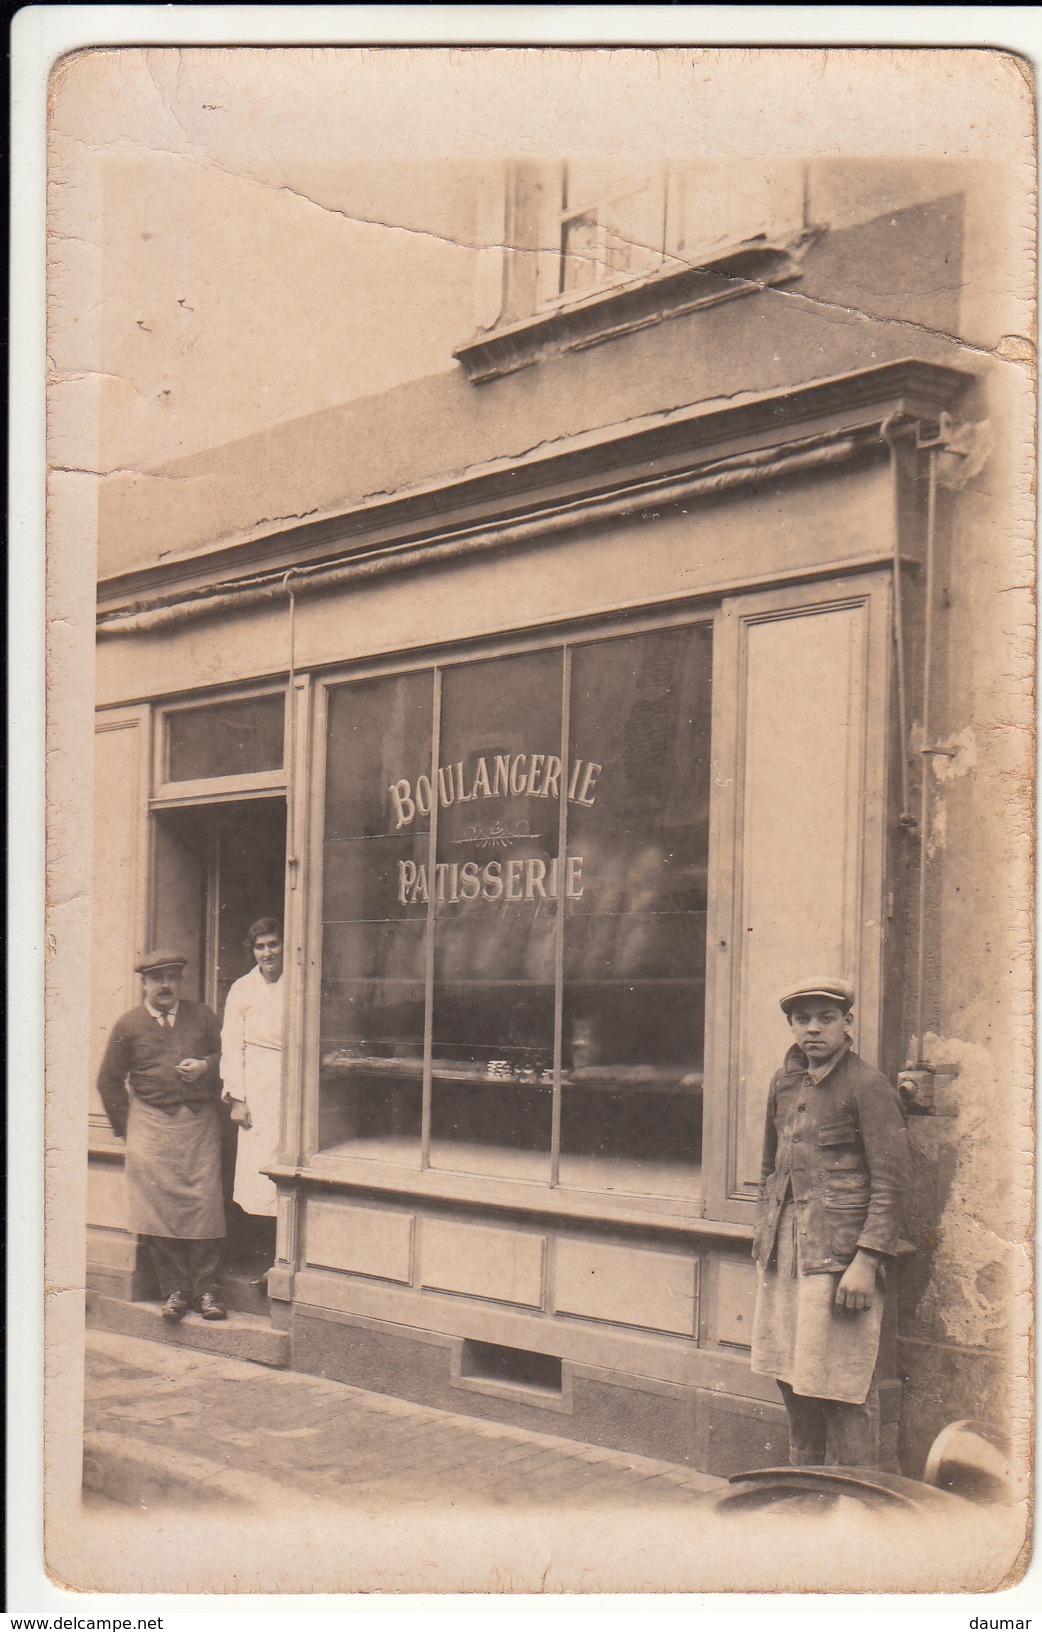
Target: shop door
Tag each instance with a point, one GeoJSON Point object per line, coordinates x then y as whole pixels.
{"type": "Point", "coordinates": [217, 868]}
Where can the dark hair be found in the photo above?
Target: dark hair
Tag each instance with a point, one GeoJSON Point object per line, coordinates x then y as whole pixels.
{"type": "Point", "coordinates": [263, 926]}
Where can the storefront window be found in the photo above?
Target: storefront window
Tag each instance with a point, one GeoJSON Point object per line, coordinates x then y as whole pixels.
{"type": "Point", "coordinates": [493, 998]}
{"type": "Point", "coordinates": [374, 942]}
{"type": "Point", "coordinates": [515, 914]}
{"type": "Point", "coordinates": [635, 939]}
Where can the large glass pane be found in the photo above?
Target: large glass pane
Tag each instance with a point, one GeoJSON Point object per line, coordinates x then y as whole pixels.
{"type": "Point", "coordinates": [635, 937]}
{"type": "Point", "coordinates": [374, 942]}
{"type": "Point", "coordinates": [495, 889]}
{"type": "Point", "coordinates": [225, 739]}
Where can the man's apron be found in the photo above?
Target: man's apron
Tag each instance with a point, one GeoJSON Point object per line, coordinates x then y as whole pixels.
{"type": "Point", "coordinates": [174, 1172]}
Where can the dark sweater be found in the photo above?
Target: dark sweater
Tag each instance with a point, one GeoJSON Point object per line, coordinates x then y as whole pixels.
{"type": "Point", "coordinates": [146, 1055]}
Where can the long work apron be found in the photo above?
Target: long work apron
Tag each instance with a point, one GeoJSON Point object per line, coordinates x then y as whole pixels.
{"type": "Point", "coordinates": [258, 1145]}
{"type": "Point", "coordinates": [173, 1172]}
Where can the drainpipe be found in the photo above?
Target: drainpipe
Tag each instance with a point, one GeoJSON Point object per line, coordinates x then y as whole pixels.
{"type": "Point", "coordinates": [916, 1080]}
{"type": "Point", "coordinates": [891, 436]}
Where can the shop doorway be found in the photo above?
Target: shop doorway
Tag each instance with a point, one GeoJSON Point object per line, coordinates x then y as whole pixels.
{"type": "Point", "coordinates": [217, 868]}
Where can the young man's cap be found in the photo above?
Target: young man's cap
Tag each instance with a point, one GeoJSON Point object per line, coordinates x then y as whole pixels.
{"type": "Point", "coordinates": [161, 958]}
{"type": "Point", "coordinates": [840, 991]}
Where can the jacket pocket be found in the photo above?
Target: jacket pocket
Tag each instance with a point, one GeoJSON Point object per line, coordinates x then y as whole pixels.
{"type": "Point", "coordinates": [838, 1133]}
{"type": "Point", "coordinates": [840, 1149]}
{"type": "Point", "coordinates": [844, 1226]}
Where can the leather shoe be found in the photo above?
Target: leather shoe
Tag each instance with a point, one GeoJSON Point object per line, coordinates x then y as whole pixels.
{"type": "Point", "coordinates": [212, 1308]}
{"type": "Point", "coordinates": [176, 1306]}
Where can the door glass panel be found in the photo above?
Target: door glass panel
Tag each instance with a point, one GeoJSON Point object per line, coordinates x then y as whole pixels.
{"type": "Point", "coordinates": [374, 941]}
{"type": "Point", "coordinates": [635, 938]}
{"type": "Point", "coordinates": [495, 913]}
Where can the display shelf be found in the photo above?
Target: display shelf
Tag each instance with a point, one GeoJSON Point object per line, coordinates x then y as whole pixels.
{"type": "Point", "coordinates": [648, 1079]}
{"type": "Point", "coordinates": [635, 981]}
{"type": "Point", "coordinates": [608, 1078]}
{"type": "Point", "coordinates": [570, 981]}
{"type": "Point", "coordinates": [375, 980]}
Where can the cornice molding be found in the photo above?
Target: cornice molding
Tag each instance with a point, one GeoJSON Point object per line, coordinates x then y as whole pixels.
{"type": "Point", "coordinates": [640, 468]}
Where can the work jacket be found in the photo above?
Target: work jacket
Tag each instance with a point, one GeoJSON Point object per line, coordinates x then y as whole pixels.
{"type": "Point", "coordinates": [841, 1147]}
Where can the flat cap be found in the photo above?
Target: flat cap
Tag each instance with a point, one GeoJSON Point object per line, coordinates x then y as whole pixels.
{"type": "Point", "coordinates": [841, 991]}
{"type": "Point", "coordinates": [161, 958]}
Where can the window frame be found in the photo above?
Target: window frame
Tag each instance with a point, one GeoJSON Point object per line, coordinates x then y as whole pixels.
{"type": "Point", "coordinates": [551, 258]}
{"type": "Point", "coordinates": [167, 792]}
{"type": "Point", "coordinates": [420, 1176]}
{"type": "Point", "coordinates": [671, 189]}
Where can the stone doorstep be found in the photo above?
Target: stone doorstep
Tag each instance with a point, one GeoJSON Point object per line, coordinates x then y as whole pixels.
{"type": "Point", "coordinates": [240, 1337]}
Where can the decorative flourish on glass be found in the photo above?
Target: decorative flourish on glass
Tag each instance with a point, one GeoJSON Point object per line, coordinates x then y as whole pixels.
{"type": "Point", "coordinates": [498, 834]}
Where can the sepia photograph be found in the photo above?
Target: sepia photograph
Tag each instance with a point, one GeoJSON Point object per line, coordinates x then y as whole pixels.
{"type": "Point", "coordinates": [540, 819]}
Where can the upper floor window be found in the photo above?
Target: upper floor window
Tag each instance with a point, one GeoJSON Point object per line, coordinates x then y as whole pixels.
{"type": "Point", "coordinates": [605, 223]}
{"type": "Point", "coordinates": [596, 247]}
{"type": "Point", "coordinates": [612, 225]}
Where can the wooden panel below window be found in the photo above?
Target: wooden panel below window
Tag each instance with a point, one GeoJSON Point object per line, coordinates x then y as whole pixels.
{"type": "Point", "coordinates": [735, 1300]}
{"type": "Point", "coordinates": [631, 1285]}
{"type": "Point", "coordinates": [106, 1195]}
{"type": "Point", "coordinates": [111, 1249]}
{"type": "Point", "coordinates": [506, 1265]}
{"type": "Point", "coordinates": [364, 1240]}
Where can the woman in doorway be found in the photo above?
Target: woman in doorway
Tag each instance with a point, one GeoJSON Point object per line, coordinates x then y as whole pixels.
{"type": "Point", "coordinates": [251, 1068]}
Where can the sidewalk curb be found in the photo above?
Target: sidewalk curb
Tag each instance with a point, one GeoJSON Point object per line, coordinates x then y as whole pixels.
{"type": "Point", "coordinates": [133, 1475]}
{"type": "Point", "coordinates": [360, 1457]}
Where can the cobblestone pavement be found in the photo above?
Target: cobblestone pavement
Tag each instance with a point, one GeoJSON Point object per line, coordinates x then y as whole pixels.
{"type": "Point", "coordinates": [167, 1421]}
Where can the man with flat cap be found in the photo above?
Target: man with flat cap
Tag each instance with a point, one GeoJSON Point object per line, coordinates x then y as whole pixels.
{"type": "Point", "coordinates": [833, 1186]}
{"type": "Point", "coordinates": [160, 1087]}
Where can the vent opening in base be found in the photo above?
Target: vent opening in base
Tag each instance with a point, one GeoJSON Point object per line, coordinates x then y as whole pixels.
{"type": "Point", "coordinates": [518, 1368]}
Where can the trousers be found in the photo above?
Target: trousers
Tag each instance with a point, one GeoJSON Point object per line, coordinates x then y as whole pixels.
{"type": "Point", "coordinates": [831, 1433]}
{"type": "Point", "coordinates": [185, 1266]}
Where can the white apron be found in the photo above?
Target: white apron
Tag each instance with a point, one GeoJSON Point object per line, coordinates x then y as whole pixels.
{"type": "Point", "coordinates": [251, 1069]}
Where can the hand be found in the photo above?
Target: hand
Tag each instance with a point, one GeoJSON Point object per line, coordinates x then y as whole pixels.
{"type": "Point", "coordinates": [191, 1070]}
{"type": "Point", "coordinates": [857, 1285]}
{"type": "Point", "coordinates": [241, 1113]}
